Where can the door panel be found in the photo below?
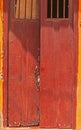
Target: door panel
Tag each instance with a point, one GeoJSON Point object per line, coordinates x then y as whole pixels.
{"type": "Point", "coordinates": [57, 64]}
{"type": "Point", "coordinates": [23, 52]}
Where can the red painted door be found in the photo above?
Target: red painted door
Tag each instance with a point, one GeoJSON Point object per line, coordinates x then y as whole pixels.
{"type": "Point", "coordinates": [55, 38]}
{"type": "Point", "coordinates": [57, 63]}
{"type": "Point", "coordinates": [23, 52]}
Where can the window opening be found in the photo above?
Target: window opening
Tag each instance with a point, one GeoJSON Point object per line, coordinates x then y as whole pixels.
{"type": "Point", "coordinates": [26, 9]}
{"type": "Point", "coordinates": [57, 8]}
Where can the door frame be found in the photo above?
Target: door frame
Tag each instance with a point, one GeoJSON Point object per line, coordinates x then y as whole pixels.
{"type": "Point", "coordinates": [5, 60]}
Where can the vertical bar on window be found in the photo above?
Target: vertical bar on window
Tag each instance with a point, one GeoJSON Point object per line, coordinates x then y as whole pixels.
{"type": "Point", "coordinates": [19, 10]}
{"type": "Point", "coordinates": [28, 9]}
{"type": "Point", "coordinates": [51, 8]}
{"type": "Point", "coordinates": [54, 9]}
{"type": "Point", "coordinates": [22, 9]}
{"type": "Point", "coordinates": [57, 8]}
{"type": "Point", "coordinates": [31, 8]}
{"type": "Point", "coordinates": [15, 4]}
{"type": "Point", "coordinates": [64, 8]}
{"type": "Point", "coordinates": [16, 9]}
{"type": "Point", "coordinates": [25, 9]}
{"type": "Point", "coordinates": [35, 9]}
{"type": "Point", "coordinates": [61, 4]}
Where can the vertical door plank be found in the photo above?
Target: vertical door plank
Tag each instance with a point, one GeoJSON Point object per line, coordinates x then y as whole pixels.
{"type": "Point", "coordinates": [49, 94]}
{"type": "Point", "coordinates": [66, 76]}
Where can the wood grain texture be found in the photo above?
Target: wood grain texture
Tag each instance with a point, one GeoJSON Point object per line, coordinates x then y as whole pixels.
{"type": "Point", "coordinates": [57, 70]}
{"type": "Point", "coordinates": [42, 69]}
{"type": "Point", "coordinates": [23, 94]}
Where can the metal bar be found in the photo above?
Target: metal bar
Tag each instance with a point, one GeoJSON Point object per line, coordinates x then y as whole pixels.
{"type": "Point", "coordinates": [64, 8]}
{"type": "Point", "coordinates": [32, 8]}
{"type": "Point", "coordinates": [16, 12]}
{"type": "Point", "coordinates": [15, 8]}
{"type": "Point", "coordinates": [57, 8]}
{"type": "Point", "coordinates": [51, 8]}
{"type": "Point", "coordinates": [19, 10]}
{"type": "Point", "coordinates": [22, 9]}
{"type": "Point", "coordinates": [25, 8]}
{"type": "Point", "coordinates": [28, 9]}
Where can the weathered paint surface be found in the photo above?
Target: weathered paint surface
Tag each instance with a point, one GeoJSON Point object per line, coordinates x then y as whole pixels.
{"type": "Point", "coordinates": [57, 91]}
{"type": "Point", "coordinates": [78, 115]}
{"type": "Point", "coordinates": [23, 64]}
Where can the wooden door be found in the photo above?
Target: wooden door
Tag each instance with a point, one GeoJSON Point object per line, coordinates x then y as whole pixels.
{"type": "Point", "coordinates": [57, 63]}
{"type": "Point", "coordinates": [23, 54]}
